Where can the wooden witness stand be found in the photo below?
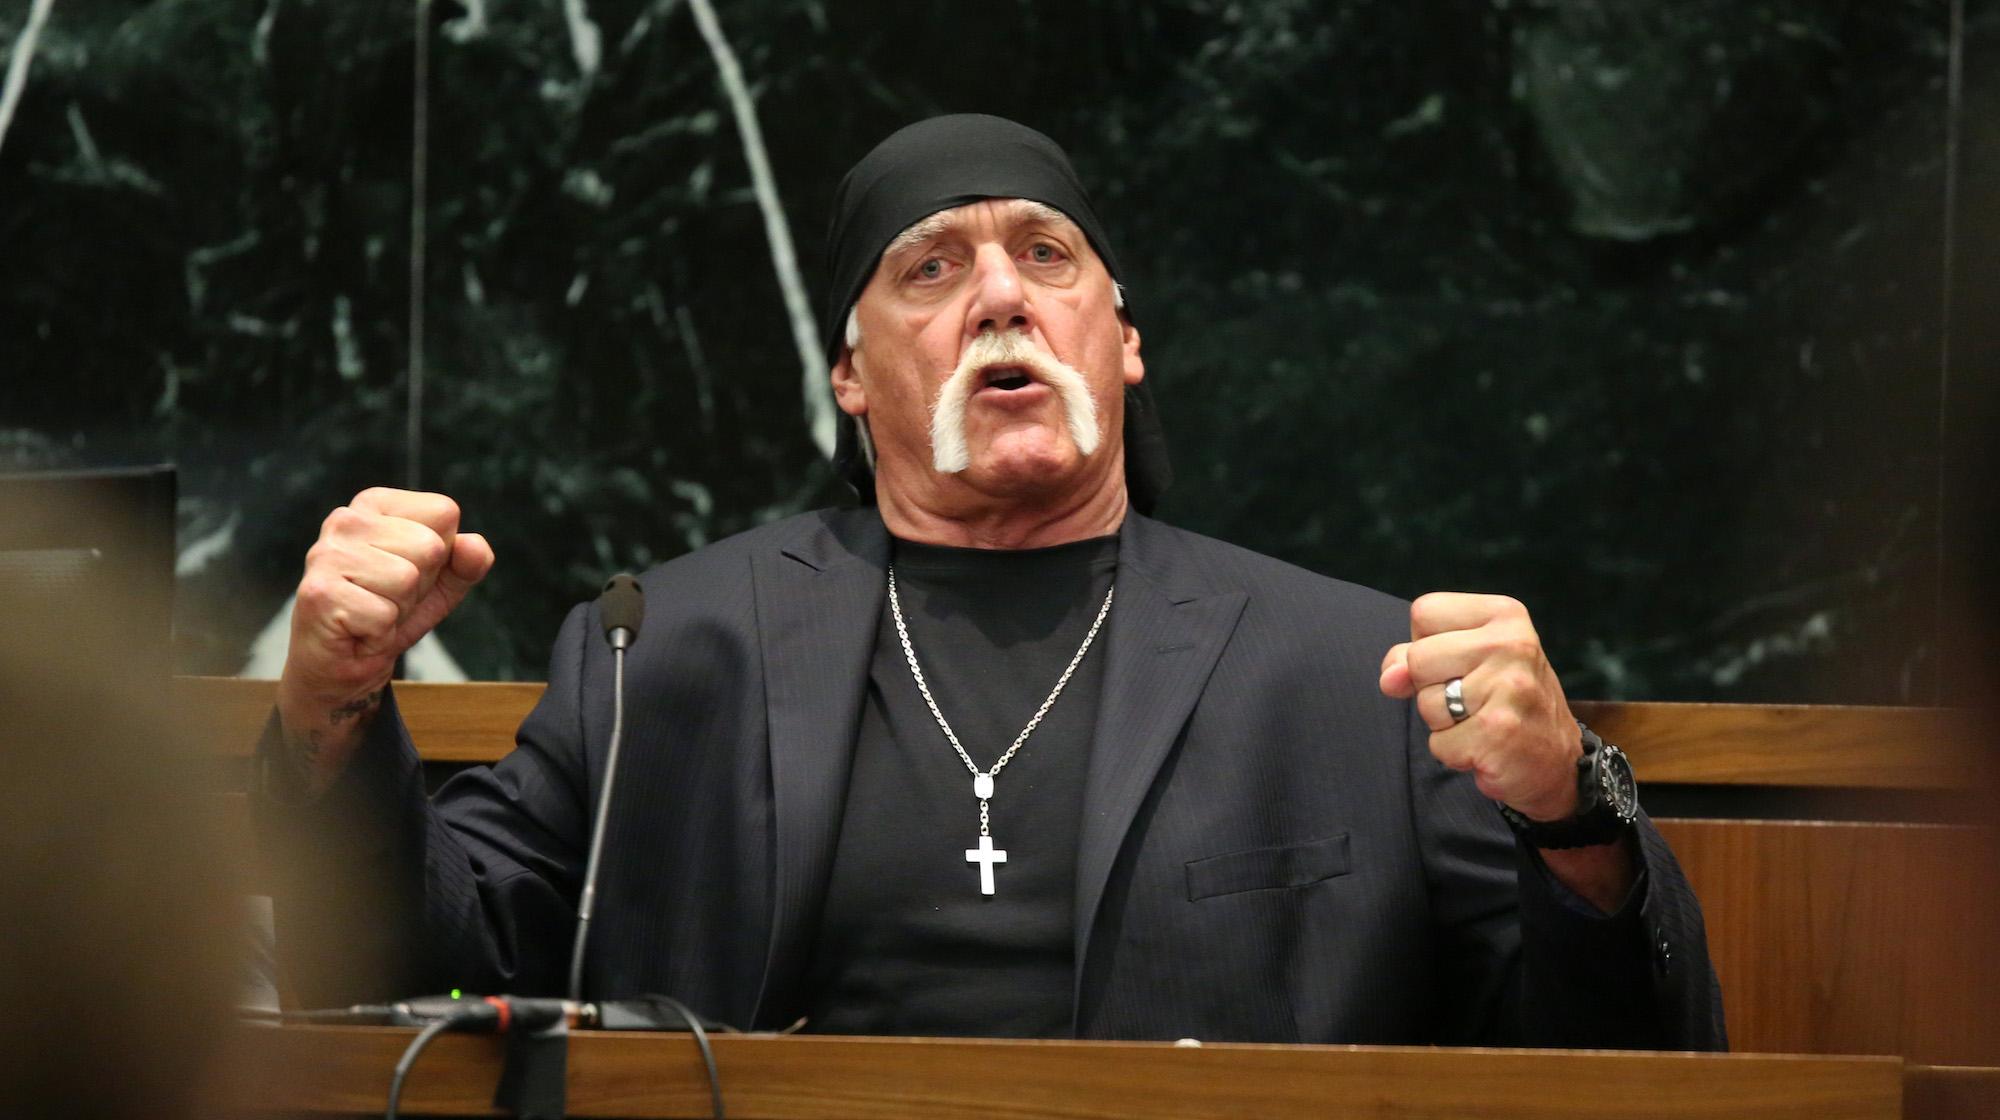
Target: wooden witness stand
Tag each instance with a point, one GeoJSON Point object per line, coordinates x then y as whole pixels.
{"type": "Point", "coordinates": [346, 1071]}
{"type": "Point", "coordinates": [1830, 939]}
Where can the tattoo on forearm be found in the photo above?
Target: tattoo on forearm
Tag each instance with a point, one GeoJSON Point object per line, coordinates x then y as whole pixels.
{"type": "Point", "coordinates": [355, 708]}
{"type": "Point", "coordinates": [307, 750]}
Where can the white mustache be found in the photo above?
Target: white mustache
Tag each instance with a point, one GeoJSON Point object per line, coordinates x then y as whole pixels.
{"type": "Point", "coordinates": [949, 453]}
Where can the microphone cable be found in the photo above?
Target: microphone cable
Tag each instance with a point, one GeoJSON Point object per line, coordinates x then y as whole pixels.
{"type": "Point", "coordinates": [409, 1058]}
{"type": "Point", "coordinates": [498, 1014]}
{"type": "Point", "coordinates": [707, 1053]}
{"type": "Point", "coordinates": [483, 1013]}
{"type": "Point", "coordinates": [360, 1013]}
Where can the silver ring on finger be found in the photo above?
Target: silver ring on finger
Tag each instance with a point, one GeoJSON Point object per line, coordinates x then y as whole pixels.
{"type": "Point", "coordinates": [1454, 700]}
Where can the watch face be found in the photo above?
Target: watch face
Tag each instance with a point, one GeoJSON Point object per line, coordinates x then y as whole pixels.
{"type": "Point", "coordinates": [1614, 777]}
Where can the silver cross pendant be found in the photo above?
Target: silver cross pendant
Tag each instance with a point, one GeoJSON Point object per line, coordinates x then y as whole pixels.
{"type": "Point", "coordinates": [985, 855]}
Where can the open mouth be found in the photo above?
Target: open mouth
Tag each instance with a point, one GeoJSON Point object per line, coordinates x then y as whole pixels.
{"type": "Point", "coordinates": [1007, 378]}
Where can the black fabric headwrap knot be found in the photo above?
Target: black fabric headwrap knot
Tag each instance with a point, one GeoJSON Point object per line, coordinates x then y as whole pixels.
{"type": "Point", "coordinates": [936, 165]}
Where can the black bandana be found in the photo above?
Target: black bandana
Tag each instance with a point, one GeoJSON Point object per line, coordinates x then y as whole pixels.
{"type": "Point", "coordinates": [943, 163]}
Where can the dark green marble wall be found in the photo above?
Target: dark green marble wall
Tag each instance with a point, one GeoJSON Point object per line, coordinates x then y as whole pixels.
{"type": "Point", "coordinates": [1636, 312]}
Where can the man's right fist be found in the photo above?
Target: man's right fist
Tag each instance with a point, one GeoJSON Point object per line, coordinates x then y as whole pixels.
{"type": "Point", "coordinates": [386, 569]}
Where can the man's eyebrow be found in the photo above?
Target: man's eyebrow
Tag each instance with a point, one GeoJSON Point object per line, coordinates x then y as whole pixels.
{"type": "Point", "coordinates": [925, 229]}
{"type": "Point", "coordinates": [919, 232]}
{"type": "Point", "coordinates": [1041, 212]}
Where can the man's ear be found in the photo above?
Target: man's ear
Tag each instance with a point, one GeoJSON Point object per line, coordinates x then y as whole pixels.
{"type": "Point", "coordinates": [1135, 366]}
{"type": "Point", "coordinates": [847, 390]}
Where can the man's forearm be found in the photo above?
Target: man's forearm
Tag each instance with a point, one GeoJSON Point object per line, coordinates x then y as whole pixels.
{"type": "Point", "coordinates": [320, 738]}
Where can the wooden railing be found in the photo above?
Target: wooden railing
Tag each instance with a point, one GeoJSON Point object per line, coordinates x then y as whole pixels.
{"type": "Point", "coordinates": [1805, 746]}
{"type": "Point", "coordinates": [345, 1070]}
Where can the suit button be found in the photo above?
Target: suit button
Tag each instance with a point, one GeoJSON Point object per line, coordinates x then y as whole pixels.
{"type": "Point", "coordinates": [1663, 955]}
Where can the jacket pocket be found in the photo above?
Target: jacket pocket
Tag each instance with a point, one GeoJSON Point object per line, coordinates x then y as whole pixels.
{"type": "Point", "coordinates": [1291, 865]}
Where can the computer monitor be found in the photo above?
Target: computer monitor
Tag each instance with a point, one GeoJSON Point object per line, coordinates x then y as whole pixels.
{"type": "Point", "coordinates": [87, 544]}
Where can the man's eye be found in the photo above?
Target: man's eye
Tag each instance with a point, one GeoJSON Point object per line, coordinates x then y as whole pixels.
{"type": "Point", "coordinates": [931, 269]}
{"type": "Point", "coordinates": [1043, 254]}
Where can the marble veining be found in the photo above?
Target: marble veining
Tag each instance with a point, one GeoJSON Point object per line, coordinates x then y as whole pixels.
{"type": "Point", "coordinates": [1633, 312]}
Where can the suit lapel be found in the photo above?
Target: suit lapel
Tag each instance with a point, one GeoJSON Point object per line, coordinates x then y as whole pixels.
{"type": "Point", "coordinates": [819, 600]}
{"type": "Point", "coordinates": [1166, 630]}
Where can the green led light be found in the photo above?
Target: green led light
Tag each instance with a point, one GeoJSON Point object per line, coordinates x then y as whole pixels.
{"type": "Point", "coordinates": [455, 993]}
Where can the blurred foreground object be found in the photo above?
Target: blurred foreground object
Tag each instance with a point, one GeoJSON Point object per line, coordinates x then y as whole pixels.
{"type": "Point", "coordinates": [99, 545]}
{"type": "Point", "coordinates": [116, 914]}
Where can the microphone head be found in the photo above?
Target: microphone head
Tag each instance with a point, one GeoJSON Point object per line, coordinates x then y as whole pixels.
{"type": "Point", "coordinates": [622, 606]}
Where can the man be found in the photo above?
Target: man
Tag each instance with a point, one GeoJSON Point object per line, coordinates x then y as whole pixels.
{"type": "Point", "coordinates": [995, 753]}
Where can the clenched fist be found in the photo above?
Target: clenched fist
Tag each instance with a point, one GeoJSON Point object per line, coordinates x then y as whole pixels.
{"type": "Point", "coordinates": [387, 568]}
{"type": "Point", "coordinates": [1518, 738]}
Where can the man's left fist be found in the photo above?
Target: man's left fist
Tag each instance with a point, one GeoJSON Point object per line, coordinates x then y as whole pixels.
{"type": "Point", "coordinates": [1518, 738]}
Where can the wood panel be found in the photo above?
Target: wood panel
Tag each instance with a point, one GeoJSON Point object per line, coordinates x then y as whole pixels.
{"type": "Point", "coordinates": [465, 722]}
{"type": "Point", "coordinates": [1704, 744]}
{"type": "Point", "coordinates": [1816, 745]}
{"type": "Point", "coordinates": [1827, 938]}
{"type": "Point", "coordinates": [1951, 1092]}
{"type": "Point", "coordinates": [1839, 938]}
{"type": "Point", "coordinates": [331, 1069]}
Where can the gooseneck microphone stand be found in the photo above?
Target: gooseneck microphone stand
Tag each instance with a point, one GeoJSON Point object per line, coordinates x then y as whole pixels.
{"type": "Point", "coordinates": [532, 1083]}
{"type": "Point", "coordinates": [622, 607]}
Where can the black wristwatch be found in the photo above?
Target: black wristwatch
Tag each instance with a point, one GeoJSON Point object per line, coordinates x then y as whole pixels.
{"type": "Point", "coordinates": [1607, 801]}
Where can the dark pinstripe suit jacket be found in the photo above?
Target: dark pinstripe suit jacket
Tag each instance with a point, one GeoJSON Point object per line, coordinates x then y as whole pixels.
{"type": "Point", "coordinates": [1268, 851]}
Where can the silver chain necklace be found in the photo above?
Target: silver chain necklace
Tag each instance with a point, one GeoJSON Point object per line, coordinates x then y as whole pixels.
{"type": "Point", "coordinates": [986, 855]}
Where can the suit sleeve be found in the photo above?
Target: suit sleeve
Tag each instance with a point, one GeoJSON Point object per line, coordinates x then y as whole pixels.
{"type": "Point", "coordinates": [1523, 962]}
{"type": "Point", "coordinates": [381, 892]}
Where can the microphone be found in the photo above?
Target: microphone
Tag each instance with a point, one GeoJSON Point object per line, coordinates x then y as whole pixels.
{"type": "Point", "coordinates": [532, 1083]}
{"type": "Point", "coordinates": [622, 606]}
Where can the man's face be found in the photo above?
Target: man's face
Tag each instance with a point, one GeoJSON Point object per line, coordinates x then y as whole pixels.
{"type": "Point", "coordinates": [945, 293]}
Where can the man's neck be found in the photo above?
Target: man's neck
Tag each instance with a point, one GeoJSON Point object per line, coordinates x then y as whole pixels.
{"type": "Point", "coordinates": [1004, 524]}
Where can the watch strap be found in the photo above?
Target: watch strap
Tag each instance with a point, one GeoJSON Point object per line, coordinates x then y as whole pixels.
{"type": "Point", "coordinates": [1596, 821]}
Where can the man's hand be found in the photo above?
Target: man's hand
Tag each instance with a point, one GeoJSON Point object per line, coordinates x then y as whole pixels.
{"type": "Point", "coordinates": [386, 569]}
{"type": "Point", "coordinates": [1518, 740]}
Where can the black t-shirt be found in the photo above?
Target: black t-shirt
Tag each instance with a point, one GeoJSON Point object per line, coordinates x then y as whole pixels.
{"type": "Point", "coordinates": [907, 944]}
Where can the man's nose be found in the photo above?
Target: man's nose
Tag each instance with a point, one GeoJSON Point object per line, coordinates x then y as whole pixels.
{"type": "Point", "coordinates": [998, 301]}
